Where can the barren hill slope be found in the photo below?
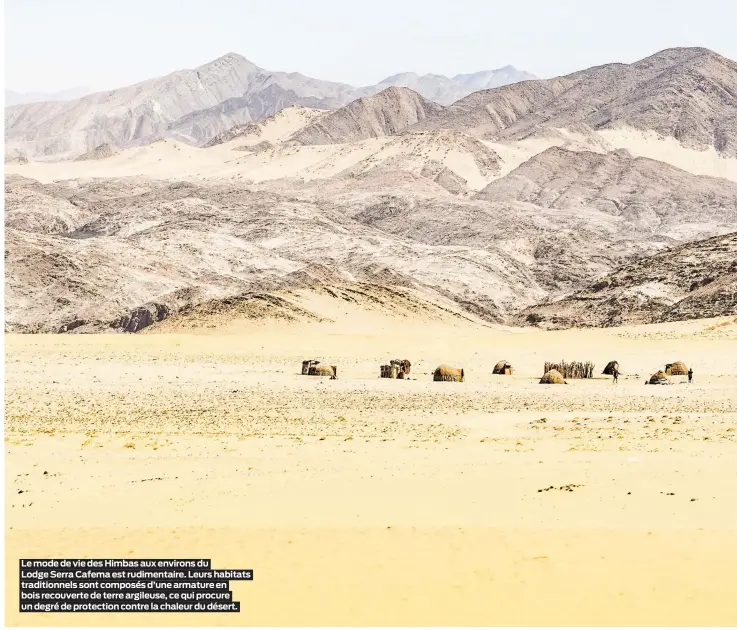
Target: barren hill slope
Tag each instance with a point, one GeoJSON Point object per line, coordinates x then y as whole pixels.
{"type": "Point", "coordinates": [203, 126]}
{"type": "Point", "coordinates": [274, 129]}
{"type": "Point", "coordinates": [650, 195]}
{"type": "Point", "coordinates": [384, 114]}
{"type": "Point", "coordinates": [316, 303]}
{"type": "Point", "coordinates": [112, 253]}
{"type": "Point", "coordinates": [142, 247]}
{"type": "Point", "coordinates": [689, 94]}
{"type": "Point", "coordinates": [695, 280]}
{"type": "Point", "coordinates": [127, 115]}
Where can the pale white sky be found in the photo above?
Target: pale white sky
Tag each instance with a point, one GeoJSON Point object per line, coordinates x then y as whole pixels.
{"type": "Point", "coordinates": [103, 44]}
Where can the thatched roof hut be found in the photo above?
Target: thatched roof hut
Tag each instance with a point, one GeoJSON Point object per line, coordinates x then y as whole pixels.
{"type": "Point", "coordinates": [403, 365]}
{"type": "Point", "coordinates": [389, 371]}
{"type": "Point", "coordinates": [397, 368]}
{"type": "Point", "coordinates": [503, 367]}
{"type": "Point", "coordinates": [676, 369]}
{"type": "Point", "coordinates": [659, 378]}
{"type": "Point", "coordinates": [553, 377]}
{"type": "Point", "coordinates": [610, 367]}
{"type": "Point", "coordinates": [447, 373]}
{"type": "Point", "coordinates": [324, 370]}
{"type": "Point", "coordinates": [306, 365]}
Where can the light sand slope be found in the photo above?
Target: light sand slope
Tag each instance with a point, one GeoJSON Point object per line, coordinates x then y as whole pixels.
{"type": "Point", "coordinates": [274, 129]}
{"type": "Point", "coordinates": [475, 163]}
{"type": "Point", "coordinates": [669, 150]}
{"type": "Point", "coordinates": [455, 151]}
{"type": "Point", "coordinates": [364, 501]}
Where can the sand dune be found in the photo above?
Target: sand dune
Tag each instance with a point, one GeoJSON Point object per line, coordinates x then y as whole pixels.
{"type": "Point", "coordinates": [274, 130]}
{"type": "Point", "coordinates": [474, 162]}
{"type": "Point", "coordinates": [273, 160]}
{"type": "Point", "coordinates": [669, 150]}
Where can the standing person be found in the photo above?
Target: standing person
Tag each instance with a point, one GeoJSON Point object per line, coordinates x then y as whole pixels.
{"type": "Point", "coordinates": [615, 376]}
{"type": "Point", "coordinates": [690, 375]}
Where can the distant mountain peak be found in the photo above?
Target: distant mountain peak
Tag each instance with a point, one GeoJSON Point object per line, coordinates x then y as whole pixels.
{"type": "Point", "coordinates": [17, 98]}
{"type": "Point", "coordinates": [227, 60]}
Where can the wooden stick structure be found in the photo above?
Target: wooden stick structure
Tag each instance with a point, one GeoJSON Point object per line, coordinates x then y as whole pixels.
{"type": "Point", "coordinates": [572, 369]}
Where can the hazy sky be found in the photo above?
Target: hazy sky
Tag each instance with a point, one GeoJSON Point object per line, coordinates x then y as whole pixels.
{"type": "Point", "coordinates": [56, 44]}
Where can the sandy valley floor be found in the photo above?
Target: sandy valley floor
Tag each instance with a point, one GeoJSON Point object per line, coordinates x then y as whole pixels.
{"type": "Point", "coordinates": [364, 501]}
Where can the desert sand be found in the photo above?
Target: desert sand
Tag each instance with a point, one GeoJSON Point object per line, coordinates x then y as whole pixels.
{"type": "Point", "coordinates": [365, 501]}
{"type": "Point", "coordinates": [237, 159]}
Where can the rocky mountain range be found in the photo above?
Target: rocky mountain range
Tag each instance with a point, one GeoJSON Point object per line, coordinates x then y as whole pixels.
{"type": "Point", "coordinates": [512, 205]}
{"type": "Point", "coordinates": [87, 253]}
{"type": "Point", "coordinates": [685, 93]}
{"type": "Point", "coordinates": [196, 105]}
{"type": "Point", "coordinates": [446, 90]}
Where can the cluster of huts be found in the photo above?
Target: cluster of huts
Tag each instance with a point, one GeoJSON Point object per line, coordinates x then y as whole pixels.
{"type": "Point", "coordinates": [555, 373]}
{"type": "Point", "coordinates": [671, 369]}
{"type": "Point", "coordinates": [396, 368]}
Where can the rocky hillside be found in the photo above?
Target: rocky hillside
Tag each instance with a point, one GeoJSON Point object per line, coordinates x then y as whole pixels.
{"type": "Point", "coordinates": [698, 279]}
{"type": "Point", "coordinates": [107, 253]}
{"type": "Point", "coordinates": [274, 129]}
{"type": "Point", "coordinates": [384, 114]}
{"type": "Point", "coordinates": [205, 127]}
{"type": "Point", "coordinates": [689, 94]}
{"type": "Point", "coordinates": [130, 115]}
{"type": "Point", "coordinates": [649, 195]}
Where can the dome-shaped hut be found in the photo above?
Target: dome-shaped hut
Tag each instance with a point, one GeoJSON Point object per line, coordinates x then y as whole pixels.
{"type": "Point", "coordinates": [403, 367]}
{"type": "Point", "coordinates": [659, 378]}
{"type": "Point", "coordinates": [324, 370]}
{"type": "Point", "coordinates": [676, 369]}
{"type": "Point", "coordinates": [447, 373]}
{"type": "Point", "coordinates": [503, 367]}
{"type": "Point", "coordinates": [610, 367]}
{"type": "Point", "coordinates": [552, 377]}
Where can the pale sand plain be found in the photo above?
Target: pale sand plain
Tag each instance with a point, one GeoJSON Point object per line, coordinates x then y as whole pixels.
{"type": "Point", "coordinates": [364, 501]}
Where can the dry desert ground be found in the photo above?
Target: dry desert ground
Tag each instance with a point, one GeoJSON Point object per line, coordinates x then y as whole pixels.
{"type": "Point", "coordinates": [365, 501]}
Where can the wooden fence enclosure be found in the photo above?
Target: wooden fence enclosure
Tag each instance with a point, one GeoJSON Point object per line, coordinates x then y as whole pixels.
{"type": "Point", "coordinates": [573, 369]}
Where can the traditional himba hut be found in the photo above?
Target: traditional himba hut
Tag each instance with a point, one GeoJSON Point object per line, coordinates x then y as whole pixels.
{"type": "Point", "coordinates": [306, 365]}
{"type": "Point", "coordinates": [397, 368]}
{"type": "Point", "coordinates": [403, 367]}
{"type": "Point", "coordinates": [610, 367]}
{"type": "Point", "coordinates": [552, 377]}
{"type": "Point", "coordinates": [447, 373]}
{"type": "Point", "coordinates": [659, 378]}
{"type": "Point", "coordinates": [676, 369]}
{"type": "Point", "coordinates": [324, 370]}
{"type": "Point", "coordinates": [503, 367]}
